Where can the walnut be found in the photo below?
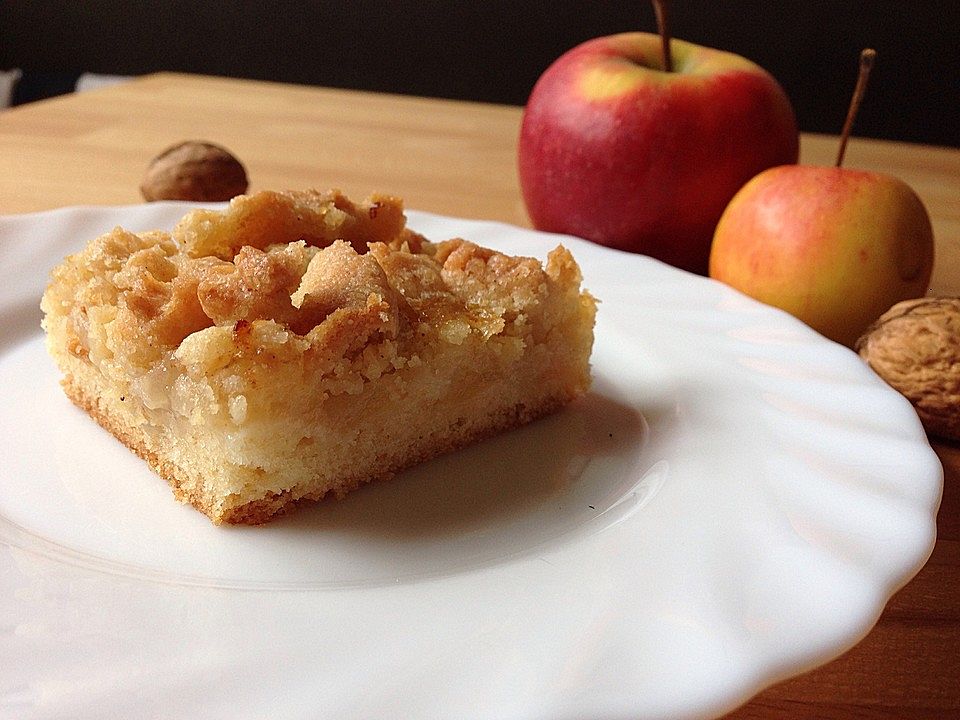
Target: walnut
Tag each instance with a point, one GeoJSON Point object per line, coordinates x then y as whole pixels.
{"type": "Point", "coordinates": [194, 170]}
{"type": "Point", "coordinates": [915, 347]}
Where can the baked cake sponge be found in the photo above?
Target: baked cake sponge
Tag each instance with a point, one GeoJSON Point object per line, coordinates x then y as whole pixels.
{"type": "Point", "coordinates": [296, 345]}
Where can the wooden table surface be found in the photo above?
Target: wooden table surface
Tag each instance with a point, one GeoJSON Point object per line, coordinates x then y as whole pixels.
{"type": "Point", "coordinates": [459, 159]}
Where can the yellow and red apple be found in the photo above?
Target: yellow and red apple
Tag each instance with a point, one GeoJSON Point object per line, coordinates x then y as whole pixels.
{"type": "Point", "coordinates": [616, 150]}
{"type": "Point", "coordinates": [835, 247]}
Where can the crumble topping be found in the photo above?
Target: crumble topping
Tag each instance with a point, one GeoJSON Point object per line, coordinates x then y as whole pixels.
{"type": "Point", "coordinates": [268, 218]}
{"type": "Point", "coordinates": [340, 287]}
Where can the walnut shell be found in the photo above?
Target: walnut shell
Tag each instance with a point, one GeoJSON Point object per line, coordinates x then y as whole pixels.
{"type": "Point", "coordinates": [194, 170]}
{"type": "Point", "coordinates": [915, 347]}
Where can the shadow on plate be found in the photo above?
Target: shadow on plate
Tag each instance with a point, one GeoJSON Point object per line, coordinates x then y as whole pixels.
{"type": "Point", "coordinates": [18, 322]}
{"type": "Point", "coordinates": [533, 470]}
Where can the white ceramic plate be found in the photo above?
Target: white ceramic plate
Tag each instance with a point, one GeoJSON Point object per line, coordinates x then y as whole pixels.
{"type": "Point", "coordinates": [733, 503]}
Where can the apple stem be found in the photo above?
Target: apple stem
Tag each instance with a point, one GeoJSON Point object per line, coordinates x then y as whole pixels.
{"type": "Point", "coordinates": [866, 64]}
{"type": "Point", "coordinates": [661, 8]}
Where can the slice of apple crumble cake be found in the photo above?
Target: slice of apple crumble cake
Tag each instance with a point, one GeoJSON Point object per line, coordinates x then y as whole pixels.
{"type": "Point", "coordinates": [298, 344]}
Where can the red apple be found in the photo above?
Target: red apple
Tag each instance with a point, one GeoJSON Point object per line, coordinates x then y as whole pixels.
{"type": "Point", "coordinates": [616, 150]}
{"type": "Point", "coordinates": [833, 246]}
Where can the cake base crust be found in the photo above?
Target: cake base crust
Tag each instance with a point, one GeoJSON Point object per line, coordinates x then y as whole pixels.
{"type": "Point", "coordinates": [262, 510]}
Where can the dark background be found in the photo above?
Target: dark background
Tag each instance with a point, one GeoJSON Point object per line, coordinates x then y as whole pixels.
{"type": "Point", "coordinates": [494, 50]}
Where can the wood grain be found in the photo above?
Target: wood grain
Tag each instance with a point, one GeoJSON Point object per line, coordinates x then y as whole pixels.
{"type": "Point", "coordinates": [459, 159]}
